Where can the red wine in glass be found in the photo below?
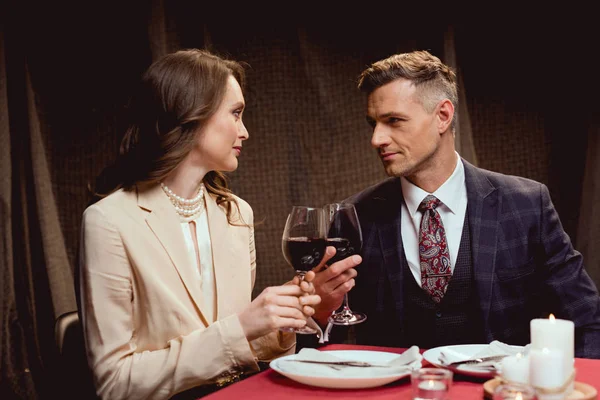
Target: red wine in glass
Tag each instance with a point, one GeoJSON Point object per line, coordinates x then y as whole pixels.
{"type": "Point", "coordinates": [304, 253]}
{"type": "Point", "coordinates": [343, 249]}
{"type": "Point", "coordinates": [343, 233]}
{"type": "Point", "coordinates": [303, 245]}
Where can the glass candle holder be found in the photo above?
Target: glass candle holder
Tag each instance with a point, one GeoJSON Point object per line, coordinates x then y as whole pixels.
{"type": "Point", "coordinates": [514, 391]}
{"type": "Point", "coordinates": [431, 383]}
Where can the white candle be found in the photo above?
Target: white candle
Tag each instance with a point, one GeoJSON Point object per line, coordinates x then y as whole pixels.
{"type": "Point", "coordinates": [555, 334]}
{"type": "Point", "coordinates": [546, 370]}
{"type": "Point", "coordinates": [515, 369]}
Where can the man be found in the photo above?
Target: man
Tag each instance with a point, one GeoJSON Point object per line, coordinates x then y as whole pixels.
{"type": "Point", "coordinates": [452, 253]}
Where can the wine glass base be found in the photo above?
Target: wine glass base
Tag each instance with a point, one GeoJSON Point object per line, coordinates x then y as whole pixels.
{"type": "Point", "coordinates": [307, 330]}
{"type": "Point", "coordinates": [347, 319]}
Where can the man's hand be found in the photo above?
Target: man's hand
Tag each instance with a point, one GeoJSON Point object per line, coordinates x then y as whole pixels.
{"type": "Point", "coordinates": [332, 283]}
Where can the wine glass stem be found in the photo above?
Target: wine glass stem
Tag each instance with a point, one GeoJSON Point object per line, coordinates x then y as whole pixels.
{"type": "Point", "coordinates": [300, 275]}
{"type": "Point", "coordinates": [346, 310]}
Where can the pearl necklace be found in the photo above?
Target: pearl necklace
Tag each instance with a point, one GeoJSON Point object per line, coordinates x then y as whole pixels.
{"type": "Point", "coordinates": [186, 208]}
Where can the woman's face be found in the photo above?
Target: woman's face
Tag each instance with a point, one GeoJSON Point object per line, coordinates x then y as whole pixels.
{"type": "Point", "coordinates": [219, 141]}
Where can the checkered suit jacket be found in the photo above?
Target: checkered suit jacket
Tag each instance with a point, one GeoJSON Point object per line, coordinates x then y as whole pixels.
{"type": "Point", "coordinates": [524, 263]}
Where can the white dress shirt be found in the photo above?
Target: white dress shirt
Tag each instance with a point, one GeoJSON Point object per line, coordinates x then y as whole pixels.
{"type": "Point", "coordinates": [452, 210]}
{"type": "Point", "coordinates": [204, 272]}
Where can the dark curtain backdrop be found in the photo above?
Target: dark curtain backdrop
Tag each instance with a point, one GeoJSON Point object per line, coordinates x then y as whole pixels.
{"type": "Point", "coordinates": [66, 74]}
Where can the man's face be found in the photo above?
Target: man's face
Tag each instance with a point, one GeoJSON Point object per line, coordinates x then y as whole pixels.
{"type": "Point", "coordinates": [405, 135]}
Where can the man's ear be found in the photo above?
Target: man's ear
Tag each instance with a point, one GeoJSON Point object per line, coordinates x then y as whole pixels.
{"type": "Point", "coordinates": [445, 115]}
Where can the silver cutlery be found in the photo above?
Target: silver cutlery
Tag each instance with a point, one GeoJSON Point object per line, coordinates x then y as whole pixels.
{"type": "Point", "coordinates": [348, 363]}
{"type": "Point", "coordinates": [477, 360]}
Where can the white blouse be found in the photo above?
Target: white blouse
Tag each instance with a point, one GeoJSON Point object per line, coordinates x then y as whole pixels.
{"type": "Point", "coordinates": [204, 272]}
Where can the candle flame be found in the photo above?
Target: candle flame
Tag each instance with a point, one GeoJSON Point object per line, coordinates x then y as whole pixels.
{"type": "Point", "coordinates": [519, 355]}
{"type": "Point", "coordinates": [431, 384]}
{"type": "Point", "coordinates": [551, 317]}
{"type": "Point", "coordinates": [519, 396]}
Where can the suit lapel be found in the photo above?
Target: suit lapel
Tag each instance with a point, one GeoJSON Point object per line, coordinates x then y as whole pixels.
{"type": "Point", "coordinates": [483, 209]}
{"type": "Point", "coordinates": [164, 222]}
{"type": "Point", "coordinates": [390, 238]}
{"type": "Point", "coordinates": [229, 253]}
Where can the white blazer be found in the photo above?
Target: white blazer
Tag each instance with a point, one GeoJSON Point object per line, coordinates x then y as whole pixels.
{"type": "Point", "coordinates": [145, 333]}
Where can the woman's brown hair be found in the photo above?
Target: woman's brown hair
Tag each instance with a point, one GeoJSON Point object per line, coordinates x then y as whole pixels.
{"type": "Point", "coordinates": [177, 95]}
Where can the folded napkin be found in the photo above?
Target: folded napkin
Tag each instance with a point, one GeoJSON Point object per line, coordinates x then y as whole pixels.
{"type": "Point", "coordinates": [495, 348]}
{"type": "Point", "coordinates": [410, 359]}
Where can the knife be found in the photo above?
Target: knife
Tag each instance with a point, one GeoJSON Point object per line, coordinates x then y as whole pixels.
{"type": "Point", "coordinates": [477, 360]}
{"type": "Point", "coordinates": [348, 363]}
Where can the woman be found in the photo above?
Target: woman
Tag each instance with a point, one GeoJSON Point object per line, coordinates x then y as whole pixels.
{"type": "Point", "coordinates": [167, 258]}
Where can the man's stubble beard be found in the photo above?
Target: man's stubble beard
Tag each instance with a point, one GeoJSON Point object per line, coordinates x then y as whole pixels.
{"type": "Point", "coordinates": [405, 169]}
{"type": "Point", "coordinates": [398, 169]}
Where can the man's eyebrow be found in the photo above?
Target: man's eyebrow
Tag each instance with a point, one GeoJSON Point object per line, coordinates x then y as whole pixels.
{"type": "Point", "coordinates": [390, 114]}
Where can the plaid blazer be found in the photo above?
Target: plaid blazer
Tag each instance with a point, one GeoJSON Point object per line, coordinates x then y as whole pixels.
{"type": "Point", "coordinates": [524, 264]}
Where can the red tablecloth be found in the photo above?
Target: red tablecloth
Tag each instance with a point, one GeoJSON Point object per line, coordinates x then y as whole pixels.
{"type": "Point", "coordinates": [272, 385]}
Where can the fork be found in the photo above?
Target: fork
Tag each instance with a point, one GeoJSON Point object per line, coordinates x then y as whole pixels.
{"type": "Point", "coordinates": [476, 360]}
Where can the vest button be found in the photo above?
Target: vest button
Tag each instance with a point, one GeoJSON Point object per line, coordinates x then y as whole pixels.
{"type": "Point", "coordinates": [438, 314]}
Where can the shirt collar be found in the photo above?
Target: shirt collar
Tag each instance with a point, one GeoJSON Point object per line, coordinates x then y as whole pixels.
{"type": "Point", "coordinates": [449, 193]}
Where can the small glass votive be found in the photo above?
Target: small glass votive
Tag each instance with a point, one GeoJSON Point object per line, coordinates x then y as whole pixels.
{"type": "Point", "coordinates": [514, 391]}
{"type": "Point", "coordinates": [431, 383]}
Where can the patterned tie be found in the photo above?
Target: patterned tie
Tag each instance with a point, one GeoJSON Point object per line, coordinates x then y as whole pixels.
{"type": "Point", "coordinates": [433, 250]}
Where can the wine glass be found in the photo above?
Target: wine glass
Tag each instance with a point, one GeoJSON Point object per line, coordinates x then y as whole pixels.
{"type": "Point", "coordinates": [343, 233]}
{"type": "Point", "coordinates": [303, 245]}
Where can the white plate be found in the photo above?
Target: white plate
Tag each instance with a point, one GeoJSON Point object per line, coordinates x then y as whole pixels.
{"type": "Point", "coordinates": [468, 350]}
{"type": "Point", "coordinates": [346, 378]}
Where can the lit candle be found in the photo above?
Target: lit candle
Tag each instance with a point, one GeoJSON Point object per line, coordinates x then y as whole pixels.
{"type": "Point", "coordinates": [515, 368]}
{"type": "Point", "coordinates": [514, 391]}
{"type": "Point", "coordinates": [432, 385]}
{"type": "Point", "coordinates": [555, 334]}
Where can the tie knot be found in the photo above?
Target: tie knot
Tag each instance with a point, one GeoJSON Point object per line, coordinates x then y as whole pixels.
{"type": "Point", "coordinates": [429, 203]}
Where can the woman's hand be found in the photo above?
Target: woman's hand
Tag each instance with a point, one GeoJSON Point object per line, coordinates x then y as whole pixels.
{"type": "Point", "coordinates": [278, 307]}
{"type": "Point", "coordinates": [332, 283]}
{"type": "Point", "coordinates": [308, 299]}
